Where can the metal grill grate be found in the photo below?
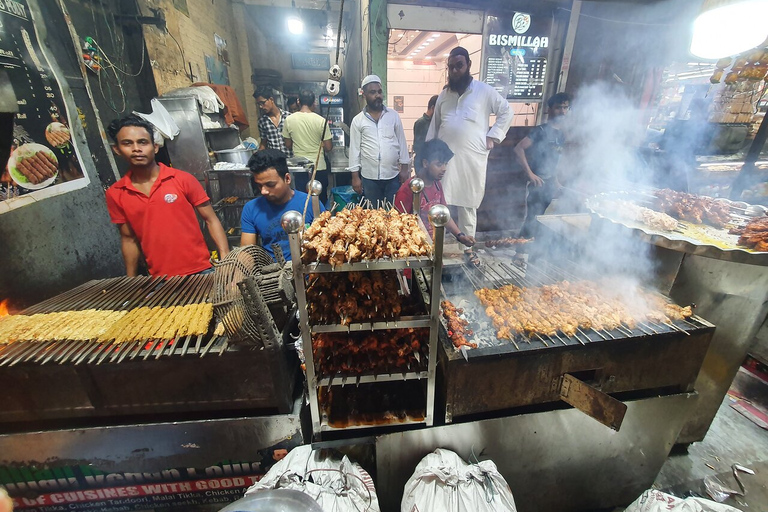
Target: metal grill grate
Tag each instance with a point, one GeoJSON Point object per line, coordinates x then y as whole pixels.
{"type": "Point", "coordinates": [498, 273]}
{"type": "Point", "coordinates": [118, 294]}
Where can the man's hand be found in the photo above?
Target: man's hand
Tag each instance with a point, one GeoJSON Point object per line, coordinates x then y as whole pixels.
{"type": "Point", "coordinates": [489, 143]}
{"type": "Point", "coordinates": [467, 240]}
{"type": "Point", "coordinates": [537, 182]}
{"type": "Point", "coordinates": [405, 173]}
{"type": "Point", "coordinates": [357, 183]}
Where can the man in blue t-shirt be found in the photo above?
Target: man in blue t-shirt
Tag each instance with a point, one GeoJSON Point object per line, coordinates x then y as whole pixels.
{"type": "Point", "coordinates": [262, 215]}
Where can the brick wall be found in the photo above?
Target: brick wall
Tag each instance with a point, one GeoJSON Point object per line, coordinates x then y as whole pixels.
{"type": "Point", "coordinates": [195, 37]}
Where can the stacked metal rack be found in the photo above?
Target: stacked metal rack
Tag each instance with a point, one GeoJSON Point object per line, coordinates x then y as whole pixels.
{"type": "Point", "coordinates": [427, 272]}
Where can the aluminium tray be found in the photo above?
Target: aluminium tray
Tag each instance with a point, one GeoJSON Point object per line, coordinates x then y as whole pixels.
{"type": "Point", "coordinates": [698, 239]}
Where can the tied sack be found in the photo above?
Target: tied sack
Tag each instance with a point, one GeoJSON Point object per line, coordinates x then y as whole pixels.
{"type": "Point", "coordinates": [444, 482]}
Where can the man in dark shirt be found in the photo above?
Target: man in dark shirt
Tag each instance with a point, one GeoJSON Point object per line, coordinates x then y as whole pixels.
{"type": "Point", "coordinates": [539, 154]}
{"type": "Point", "coordinates": [420, 128]}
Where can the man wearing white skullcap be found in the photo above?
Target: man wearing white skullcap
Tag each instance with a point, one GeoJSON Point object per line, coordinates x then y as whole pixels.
{"type": "Point", "coordinates": [378, 151]}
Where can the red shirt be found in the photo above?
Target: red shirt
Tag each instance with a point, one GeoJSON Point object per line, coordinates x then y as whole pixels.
{"type": "Point", "coordinates": [165, 223]}
{"type": "Point", "coordinates": [430, 196]}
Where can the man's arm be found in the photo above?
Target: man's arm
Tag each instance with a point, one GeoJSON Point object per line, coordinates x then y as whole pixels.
{"type": "Point", "coordinates": [354, 155]}
{"type": "Point", "coordinates": [462, 238]}
{"type": "Point", "coordinates": [405, 159]}
{"type": "Point", "coordinates": [328, 145]}
{"type": "Point", "coordinates": [523, 161]}
{"type": "Point", "coordinates": [501, 109]}
{"type": "Point", "coordinates": [129, 246]}
{"type": "Point", "coordinates": [434, 124]}
{"type": "Point", "coordinates": [262, 136]}
{"type": "Point", "coordinates": [215, 229]}
{"type": "Point", "coordinates": [247, 239]}
{"type": "Point", "coordinates": [288, 144]}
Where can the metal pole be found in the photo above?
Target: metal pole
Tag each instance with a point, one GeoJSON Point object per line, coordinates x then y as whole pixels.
{"type": "Point", "coordinates": [747, 176]}
{"type": "Point", "coordinates": [439, 217]}
{"type": "Point", "coordinates": [292, 222]}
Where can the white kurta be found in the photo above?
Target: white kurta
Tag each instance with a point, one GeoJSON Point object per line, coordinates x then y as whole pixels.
{"type": "Point", "coordinates": [462, 123]}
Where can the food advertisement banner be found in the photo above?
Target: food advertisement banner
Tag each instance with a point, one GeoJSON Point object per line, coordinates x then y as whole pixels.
{"type": "Point", "coordinates": [515, 49]}
{"type": "Point", "coordinates": [44, 159]}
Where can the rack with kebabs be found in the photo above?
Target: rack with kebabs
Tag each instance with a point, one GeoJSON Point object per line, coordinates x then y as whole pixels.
{"type": "Point", "coordinates": [358, 234]}
{"type": "Point", "coordinates": [386, 351]}
{"type": "Point", "coordinates": [507, 242]}
{"type": "Point", "coordinates": [456, 326]}
{"type": "Point", "coordinates": [356, 297]}
{"type": "Point", "coordinates": [693, 208]}
{"type": "Point", "coordinates": [754, 235]}
{"type": "Point", "coordinates": [567, 307]}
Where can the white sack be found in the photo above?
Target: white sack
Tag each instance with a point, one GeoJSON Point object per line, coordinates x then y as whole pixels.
{"type": "Point", "coordinates": [336, 485]}
{"type": "Point", "coordinates": [443, 482]}
{"type": "Point", "coordinates": [657, 501]}
{"type": "Point", "coordinates": [161, 120]}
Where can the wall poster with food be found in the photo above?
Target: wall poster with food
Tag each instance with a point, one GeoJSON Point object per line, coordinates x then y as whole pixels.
{"type": "Point", "coordinates": [44, 159]}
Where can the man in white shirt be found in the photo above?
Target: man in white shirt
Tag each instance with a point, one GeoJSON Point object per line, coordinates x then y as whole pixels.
{"type": "Point", "coordinates": [461, 120]}
{"type": "Point", "coordinates": [378, 152]}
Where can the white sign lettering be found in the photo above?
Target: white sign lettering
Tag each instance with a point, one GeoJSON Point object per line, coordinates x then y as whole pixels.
{"type": "Point", "coordinates": [518, 41]}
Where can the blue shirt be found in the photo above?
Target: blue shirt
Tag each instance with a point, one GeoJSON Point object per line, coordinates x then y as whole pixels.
{"type": "Point", "coordinates": [262, 218]}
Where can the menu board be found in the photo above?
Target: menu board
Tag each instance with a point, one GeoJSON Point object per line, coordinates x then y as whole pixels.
{"type": "Point", "coordinates": [518, 79]}
{"type": "Point", "coordinates": [44, 159]}
{"type": "Point", "coordinates": [515, 49]}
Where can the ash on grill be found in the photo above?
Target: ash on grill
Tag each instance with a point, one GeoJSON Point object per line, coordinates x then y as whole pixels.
{"type": "Point", "coordinates": [170, 316]}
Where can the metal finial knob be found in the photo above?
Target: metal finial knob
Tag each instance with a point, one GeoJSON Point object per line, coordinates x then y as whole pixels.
{"type": "Point", "coordinates": [439, 215]}
{"type": "Point", "coordinates": [314, 188]}
{"type": "Point", "coordinates": [417, 185]}
{"type": "Point", "coordinates": [292, 221]}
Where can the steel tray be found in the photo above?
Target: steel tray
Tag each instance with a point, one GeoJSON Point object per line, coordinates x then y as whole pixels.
{"type": "Point", "coordinates": [698, 239]}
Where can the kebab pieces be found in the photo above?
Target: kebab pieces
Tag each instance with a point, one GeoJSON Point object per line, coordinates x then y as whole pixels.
{"type": "Point", "coordinates": [357, 234]}
{"type": "Point", "coordinates": [108, 326]}
{"type": "Point", "coordinates": [354, 297]}
{"type": "Point", "coordinates": [456, 326]}
{"type": "Point", "coordinates": [567, 307]}
{"type": "Point", "coordinates": [754, 235]}
{"type": "Point", "coordinates": [651, 218]}
{"type": "Point", "coordinates": [387, 351]}
{"type": "Point", "coordinates": [507, 242]}
{"type": "Point", "coordinates": [693, 208]}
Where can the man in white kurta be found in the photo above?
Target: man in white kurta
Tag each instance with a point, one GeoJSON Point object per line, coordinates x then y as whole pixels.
{"type": "Point", "coordinates": [461, 120]}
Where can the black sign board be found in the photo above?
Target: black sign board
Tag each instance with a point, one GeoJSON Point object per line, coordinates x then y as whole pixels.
{"type": "Point", "coordinates": [515, 49]}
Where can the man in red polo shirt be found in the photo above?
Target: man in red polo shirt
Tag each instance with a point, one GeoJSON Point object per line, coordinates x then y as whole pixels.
{"type": "Point", "coordinates": [154, 206]}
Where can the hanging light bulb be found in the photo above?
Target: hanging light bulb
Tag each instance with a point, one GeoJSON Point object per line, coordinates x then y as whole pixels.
{"type": "Point", "coordinates": [295, 25]}
{"type": "Point", "coordinates": [729, 27]}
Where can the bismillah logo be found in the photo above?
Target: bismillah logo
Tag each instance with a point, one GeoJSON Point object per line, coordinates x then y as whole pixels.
{"type": "Point", "coordinates": [521, 22]}
{"type": "Point", "coordinates": [169, 198]}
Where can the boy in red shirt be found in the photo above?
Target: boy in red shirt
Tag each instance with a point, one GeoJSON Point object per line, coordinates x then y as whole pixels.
{"type": "Point", "coordinates": [154, 207]}
{"type": "Point", "coordinates": [430, 166]}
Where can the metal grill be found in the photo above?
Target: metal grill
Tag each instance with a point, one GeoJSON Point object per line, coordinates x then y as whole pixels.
{"type": "Point", "coordinates": [118, 294]}
{"type": "Point", "coordinates": [496, 273]}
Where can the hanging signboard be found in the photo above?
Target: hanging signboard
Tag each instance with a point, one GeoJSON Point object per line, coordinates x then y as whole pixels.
{"type": "Point", "coordinates": [515, 49]}
{"type": "Point", "coordinates": [44, 159]}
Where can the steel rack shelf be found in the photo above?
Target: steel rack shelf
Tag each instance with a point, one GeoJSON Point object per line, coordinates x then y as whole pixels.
{"type": "Point", "coordinates": [431, 274]}
{"type": "Point", "coordinates": [354, 380]}
{"type": "Point", "coordinates": [325, 427]}
{"type": "Point", "coordinates": [362, 266]}
{"type": "Point", "coordinates": [404, 322]}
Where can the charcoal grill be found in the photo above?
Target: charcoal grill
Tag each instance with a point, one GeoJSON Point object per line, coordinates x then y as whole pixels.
{"type": "Point", "coordinates": [57, 379]}
{"type": "Point", "coordinates": [499, 375]}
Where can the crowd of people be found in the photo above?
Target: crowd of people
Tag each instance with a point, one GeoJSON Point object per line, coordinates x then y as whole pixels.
{"type": "Point", "coordinates": [156, 207]}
